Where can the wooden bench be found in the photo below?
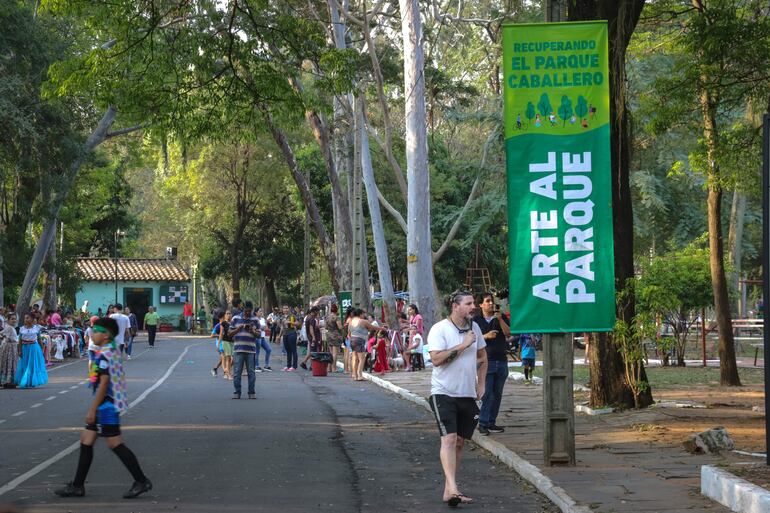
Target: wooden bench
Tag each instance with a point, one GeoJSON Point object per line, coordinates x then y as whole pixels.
{"type": "Point", "coordinates": [750, 325]}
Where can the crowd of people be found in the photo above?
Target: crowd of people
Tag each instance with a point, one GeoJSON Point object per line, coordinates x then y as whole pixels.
{"type": "Point", "coordinates": [29, 349]}
{"type": "Point", "coordinates": [243, 332]}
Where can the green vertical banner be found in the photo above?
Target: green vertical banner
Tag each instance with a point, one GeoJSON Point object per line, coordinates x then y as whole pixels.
{"type": "Point", "coordinates": [345, 301]}
{"type": "Point", "coordinates": [557, 141]}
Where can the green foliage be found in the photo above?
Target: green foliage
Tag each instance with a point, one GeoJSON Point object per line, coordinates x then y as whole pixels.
{"type": "Point", "coordinates": [675, 287]}
{"type": "Point", "coordinates": [565, 109]}
{"type": "Point", "coordinates": [544, 105]}
{"type": "Point", "coordinates": [530, 112]}
{"type": "Point", "coordinates": [581, 109]}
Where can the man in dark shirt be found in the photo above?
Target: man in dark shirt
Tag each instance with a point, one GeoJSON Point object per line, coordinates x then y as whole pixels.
{"type": "Point", "coordinates": [495, 329]}
{"type": "Point", "coordinates": [313, 330]}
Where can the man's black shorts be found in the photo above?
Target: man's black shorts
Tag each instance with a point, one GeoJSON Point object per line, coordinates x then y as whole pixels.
{"type": "Point", "coordinates": [455, 414]}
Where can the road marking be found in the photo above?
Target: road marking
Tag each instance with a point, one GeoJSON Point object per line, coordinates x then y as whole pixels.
{"type": "Point", "coordinates": [1, 421]}
{"type": "Point", "coordinates": [73, 387]}
{"type": "Point", "coordinates": [50, 398]}
{"type": "Point", "coordinates": [36, 405]}
{"type": "Point", "coordinates": [22, 412]}
{"type": "Point", "coordinates": [64, 391]}
{"type": "Point", "coordinates": [64, 365]}
{"type": "Point", "coordinates": [10, 485]}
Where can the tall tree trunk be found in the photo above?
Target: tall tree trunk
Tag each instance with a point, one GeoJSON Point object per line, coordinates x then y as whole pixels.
{"type": "Point", "coordinates": [735, 244]}
{"type": "Point", "coordinates": [272, 296]}
{"type": "Point", "coordinates": [728, 368]}
{"type": "Point", "coordinates": [235, 275]}
{"type": "Point", "coordinates": [343, 153]}
{"type": "Point", "coordinates": [306, 261]}
{"type": "Point", "coordinates": [419, 259]}
{"type": "Point", "coordinates": [324, 241]}
{"type": "Point", "coordinates": [608, 385]}
{"type": "Point", "coordinates": [50, 299]}
{"type": "Point", "coordinates": [2, 275]}
{"type": "Point", "coordinates": [49, 229]}
{"type": "Point", "coordinates": [378, 230]}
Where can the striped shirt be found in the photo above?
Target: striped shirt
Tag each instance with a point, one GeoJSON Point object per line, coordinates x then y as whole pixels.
{"type": "Point", "coordinates": [245, 341]}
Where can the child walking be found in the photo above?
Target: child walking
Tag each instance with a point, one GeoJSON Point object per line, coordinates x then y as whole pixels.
{"type": "Point", "coordinates": [527, 356]}
{"type": "Point", "coordinates": [107, 379]}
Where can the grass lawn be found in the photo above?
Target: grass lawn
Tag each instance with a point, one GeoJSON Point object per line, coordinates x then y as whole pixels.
{"type": "Point", "coordinates": [667, 377]}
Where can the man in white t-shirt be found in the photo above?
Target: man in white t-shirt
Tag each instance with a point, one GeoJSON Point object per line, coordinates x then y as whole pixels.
{"type": "Point", "coordinates": [124, 325]}
{"type": "Point", "coordinates": [459, 359]}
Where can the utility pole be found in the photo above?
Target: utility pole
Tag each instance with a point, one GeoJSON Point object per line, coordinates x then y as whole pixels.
{"type": "Point", "coordinates": [558, 358]}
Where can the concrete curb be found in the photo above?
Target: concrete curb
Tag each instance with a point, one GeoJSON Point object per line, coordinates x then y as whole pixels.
{"type": "Point", "coordinates": [737, 494]}
{"type": "Point", "coordinates": [525, 469]}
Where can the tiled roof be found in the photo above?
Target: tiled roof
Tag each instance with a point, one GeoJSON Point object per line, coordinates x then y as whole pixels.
{"type": "Point", "coordinates": [132, 269]}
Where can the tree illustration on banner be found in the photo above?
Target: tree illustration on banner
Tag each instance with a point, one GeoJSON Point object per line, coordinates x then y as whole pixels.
{"type": "Point", "coordinates": [544, 105]}
{"type": "Point", "coordinates": [581, 109]}
{"type": "Point", "coordinates": [530, 112]}
{"type": "Point", "coordinates": [565, 109]}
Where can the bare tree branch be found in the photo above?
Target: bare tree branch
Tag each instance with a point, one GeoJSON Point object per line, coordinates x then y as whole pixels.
{"type": "Point", "coordinates": [472, 196]}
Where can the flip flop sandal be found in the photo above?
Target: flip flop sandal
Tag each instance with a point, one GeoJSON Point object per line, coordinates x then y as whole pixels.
{"type": "Point", "coordinates": [454, 501]}
{"type": "Point", "coordinates": [465, 499]}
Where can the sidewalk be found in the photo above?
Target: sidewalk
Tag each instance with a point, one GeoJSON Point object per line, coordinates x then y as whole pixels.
{"type": "Point", "coordinates": [612, 474]}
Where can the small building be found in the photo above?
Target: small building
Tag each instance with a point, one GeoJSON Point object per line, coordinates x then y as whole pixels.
{"type": "Point", "coordinates": [137, 283]}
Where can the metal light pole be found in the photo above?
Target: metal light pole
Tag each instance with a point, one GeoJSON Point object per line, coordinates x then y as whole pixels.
{"type": "Point", "coordinates": [766, 268]}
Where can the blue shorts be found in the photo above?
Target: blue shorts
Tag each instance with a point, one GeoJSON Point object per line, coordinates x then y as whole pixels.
{"type": "Point", "coordinates": [107, 420]}
{"type": "Point", "coordinates": [528, 362]}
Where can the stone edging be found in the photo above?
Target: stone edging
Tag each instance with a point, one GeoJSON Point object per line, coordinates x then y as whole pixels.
{"type": "Point", "coordinates": [737, 494]}
{"type": "Point", "coordinates": [525, 469]}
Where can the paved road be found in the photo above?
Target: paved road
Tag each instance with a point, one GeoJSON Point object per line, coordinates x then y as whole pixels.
{"type": "Point", "coordinates": [307, 444]}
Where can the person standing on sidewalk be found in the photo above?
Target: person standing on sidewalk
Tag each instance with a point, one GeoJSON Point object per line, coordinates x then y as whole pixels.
{"type": "Point", "coordinates": [124, 327]}
{"type": "Point", "coordinates": [187, 311]}
{"type": "Point", "coordinates": [151, 325]}
{"type": "Point", "coordinates": [495, 330]}
{"type": "Point", "coordinates": [133, 329]}
{"type": "Point", "coordinates": [289, 325]}
{"type": "Point", "coordinates": [313, 330]}
{"type": "Point", "coordinates": [457, 350]}
{"type": "Point", "coordinates": [244, 329]}
{"type": "Point", "coordinates": [262, 342]}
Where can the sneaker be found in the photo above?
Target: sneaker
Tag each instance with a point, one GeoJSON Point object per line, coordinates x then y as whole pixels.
{"type": "Point", "coordinates": [252, 396]}
{"type": "Point", "coordinates": [268, 369]}
{"type": "Point", "coordinates": [303, 365]}
{"type": "Point", "coordinates": [258, 369]}
{"type": "Point", "coordinates": [483, 431]}
{"type": "Point", "coordinates": [138, 489]}
{"type": "Point", "coordinates": [128, 356]}
{"type": "Point", "coordinates": [285, 369]}
{"type": "Point", "coordinates": [494, 428]}
{"type": "Point", "coordinates": [214, 372]}
{"type": "Point", "coordinates": [70, 490]}
{"type": "Point", "coordinates": [292, 369]}
{"type": "Point", "coordinates": [236, 396]}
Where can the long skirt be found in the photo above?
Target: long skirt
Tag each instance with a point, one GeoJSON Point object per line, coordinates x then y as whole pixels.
{"type": "Point", "coordinates": [8, 361]}
{"type": "Point", "coordinates": [31, 372]}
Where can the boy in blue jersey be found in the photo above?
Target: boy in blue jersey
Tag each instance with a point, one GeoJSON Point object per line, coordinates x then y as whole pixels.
{"type": "Point", "coordinates": [107, 380]}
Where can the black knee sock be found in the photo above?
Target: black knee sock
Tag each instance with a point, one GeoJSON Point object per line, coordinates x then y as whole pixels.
{"type": "Point", "coordinates": [526, 372]}
{"type": "Point", "coordinates": [84, 463]}
{"type": "Point", "coordinates": [130, 461]}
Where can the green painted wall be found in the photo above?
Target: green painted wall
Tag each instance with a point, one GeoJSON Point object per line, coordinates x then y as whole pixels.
{"type": "Point", "coordinates": [102, 294]}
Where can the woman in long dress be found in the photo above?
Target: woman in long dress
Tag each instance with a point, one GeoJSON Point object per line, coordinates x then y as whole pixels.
{"type": "Point", "coordinates": [31, 372]}
{"type": "Point", "coordinates": [9, 351]}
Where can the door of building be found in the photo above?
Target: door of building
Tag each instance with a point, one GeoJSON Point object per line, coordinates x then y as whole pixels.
{"type": "Point", "coordinates": [138, 299]}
